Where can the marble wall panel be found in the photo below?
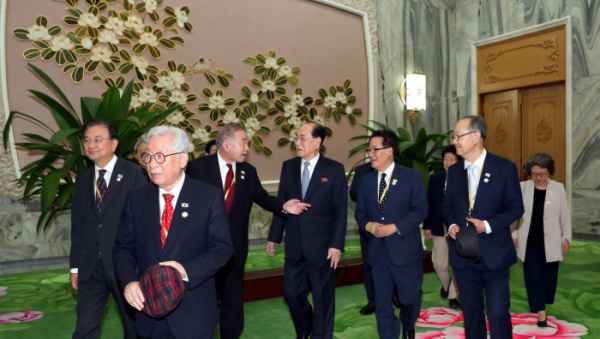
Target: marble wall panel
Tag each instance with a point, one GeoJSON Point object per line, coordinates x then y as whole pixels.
{"type": "Point", "coordinates": [585, 212]}
{"type": "Point", "coordinates": [586, 37]}
{"type": "Point", "coordinates": [499, 17]}
{"type": "Point", "coordinates": [540, 11]}
{"type": "Point", "coordinates": [586, 133]}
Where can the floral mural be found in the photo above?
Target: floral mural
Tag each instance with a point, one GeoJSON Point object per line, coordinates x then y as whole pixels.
{"type": "Point", "coordinates": [106, 40]}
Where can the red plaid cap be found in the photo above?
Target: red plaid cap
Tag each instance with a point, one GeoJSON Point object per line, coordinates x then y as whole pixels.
{"type": "Point", "coordinates": [163, 290]}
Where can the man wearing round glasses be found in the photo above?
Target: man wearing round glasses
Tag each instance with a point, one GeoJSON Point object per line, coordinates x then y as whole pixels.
{"type": "Point", "coordinates": [391, 205]}
{"type": "Point", "coordinates": [179, 222]}
{"type": "Point", "coordinates": [483, 189]}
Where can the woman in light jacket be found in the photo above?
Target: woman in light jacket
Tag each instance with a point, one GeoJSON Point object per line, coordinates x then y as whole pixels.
{"type": "Point", "coordinates": [543, 234]}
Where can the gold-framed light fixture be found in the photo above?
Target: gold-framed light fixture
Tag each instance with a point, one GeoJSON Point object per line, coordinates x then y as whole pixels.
{"type": "Point", "coordinates": [413, 92]}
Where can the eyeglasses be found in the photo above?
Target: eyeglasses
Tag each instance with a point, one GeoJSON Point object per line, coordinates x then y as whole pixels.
{"type": "Point", "coordinates": [302, 139]}
{"type": "Point", "coordinates": [88, 141]}
{"type": "Point", "coordinates": [456, 137]}
{"type": "Point", "coordinates": [158, 157]}
{"type": "Point", "coordinates": [539, 175]}
{"type": "Point", "coordinates": [373, 150]}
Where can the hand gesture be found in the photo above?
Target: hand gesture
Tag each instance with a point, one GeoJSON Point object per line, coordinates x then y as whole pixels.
{"type": "Point", "coordinates": [295, 206]}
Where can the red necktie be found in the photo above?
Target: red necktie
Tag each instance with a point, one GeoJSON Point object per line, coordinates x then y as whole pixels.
{"type": "Point", "coordinates": [167, 216]}
{"type": "Point", "coordinates": [229, 188]}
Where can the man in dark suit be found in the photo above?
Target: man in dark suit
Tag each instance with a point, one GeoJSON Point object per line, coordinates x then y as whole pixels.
{"type": "Point", "coordinates": [359, 173]}
{"type": "Point", "coordinates": [436, 231]}
{"type": "Point", "coordinates": [241, 191]}
{"type": "Point", "coordinates": [483, 189]}
{"type": "Point", "coordinates": [179, 222]}
{"type": "Point", "coordinates": [315, 238]}
{"type": "Point", "coordinates": [98, 199]}
{"type": "Point", "coordinates": [391, 205]}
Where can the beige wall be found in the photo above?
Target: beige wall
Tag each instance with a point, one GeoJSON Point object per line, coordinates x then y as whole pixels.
{"type": "Point", "coordinates": [327, 43]}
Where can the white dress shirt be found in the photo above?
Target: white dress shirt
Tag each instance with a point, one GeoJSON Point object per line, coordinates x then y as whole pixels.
{"type": "Point", "coordinates": [161, 200]}
{"type": "Point", "coordinates": [110, 167]}
{"type": "Point", "coordinates": [224, 169]}
{"type": "Point", "coordinates": [479, 166]}
{"type": "Point", "coordinates": [311, 167]}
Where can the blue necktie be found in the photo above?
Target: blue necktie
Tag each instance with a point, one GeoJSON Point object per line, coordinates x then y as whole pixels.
{"type": "Point", "coordinates": [305, 179]}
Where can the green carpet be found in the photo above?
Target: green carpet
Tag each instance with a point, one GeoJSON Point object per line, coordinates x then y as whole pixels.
{"type": "Point", "coordinates": [577, 302]}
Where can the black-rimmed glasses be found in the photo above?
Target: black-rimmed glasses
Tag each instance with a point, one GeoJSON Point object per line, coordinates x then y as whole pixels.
{"type": "Point", "coordinates": [158, 157]}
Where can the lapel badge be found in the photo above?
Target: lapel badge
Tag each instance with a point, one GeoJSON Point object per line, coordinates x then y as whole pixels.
{"type": "Point", "coordinates": [487, 175]}
{"type": "Point", "coordinates": [184, 204]}
{"type": "Point", "coordinates": [324, 180]}
{"type": "Point", "coordinates": [394, 182]}
{"type": "Point", "coordinates": [243, 172]}
{"type": "Point", "coordinates": [184, 214]}
{"type": "Point", "coordinates": [119, 177]}
{"type": "Point", "coordinates": [486, 180]}
{"type": "Point", "coordinates": [242, 176]}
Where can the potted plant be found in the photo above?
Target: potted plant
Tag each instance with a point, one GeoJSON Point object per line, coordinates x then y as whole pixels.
{"type": "Point", "coordinates": [52, 181]}
{"type": "Point", "coordinates": [412, 154]}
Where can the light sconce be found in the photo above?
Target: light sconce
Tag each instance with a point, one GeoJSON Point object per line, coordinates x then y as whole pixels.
{"type": "Point", "coordinates": [413, 92]}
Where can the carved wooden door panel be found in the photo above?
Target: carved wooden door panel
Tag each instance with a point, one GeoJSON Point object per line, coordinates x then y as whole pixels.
{"type": "Point", "coordinates": [502, 112]}
{"type": "Point", "coordinates": [544, 128]}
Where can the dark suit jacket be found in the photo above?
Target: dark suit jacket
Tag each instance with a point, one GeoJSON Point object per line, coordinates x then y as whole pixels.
{"type": "Point", "coordinates": [406, 207]}
{"type": "Point", "coordinates": [200, 242]}
{"type": "Point", "coordinates": [359, 173]}
{"type": "Point", "coordinates": [92, 234]}
{"type": "Point", "coordinates": [323, 225]}
{"type": "Point", "coordinates": [435, 197]}
{"type": "Point", "coordinates": [498, 201]}
{"type": "Point", "coordinates": [248, 190]}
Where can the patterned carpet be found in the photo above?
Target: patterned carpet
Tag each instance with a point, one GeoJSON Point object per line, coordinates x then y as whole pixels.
{"type": "Point", "coordinates": [42, 305]}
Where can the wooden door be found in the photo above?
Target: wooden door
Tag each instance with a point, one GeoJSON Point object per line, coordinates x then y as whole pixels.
{"type": "Point", "coordinates": [544, 125]}
{"type": "Point", "coordinates": [502, 112]}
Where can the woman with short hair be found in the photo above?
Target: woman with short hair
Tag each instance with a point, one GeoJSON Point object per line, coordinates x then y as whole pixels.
{"type": "Point", "coordinates": [543, 234]}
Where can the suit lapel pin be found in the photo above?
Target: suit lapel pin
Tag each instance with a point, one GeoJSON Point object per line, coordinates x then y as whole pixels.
{"type": "Point", "coordinates": [486, 180]}
{"type": "Point", "coordinates": [242, 177]}
{"type": "Point", "coordinates": [243, 172]}
{"type": "Point", "coordinates": [119, 177]}
{"type": "Point", "coordinates": [394, 182]}
{"type": "Point", "coordinates": [184, 204]}
{"type": "Point", "coordinates": [324, 180]}
{"type": "Point", "coordinates": [487, 175]}
{"type": "Point", "coordinates": [184, 214]}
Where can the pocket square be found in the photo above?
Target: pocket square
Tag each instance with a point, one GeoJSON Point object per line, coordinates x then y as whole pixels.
{"type": "Point", "coordinates": [324, 180]}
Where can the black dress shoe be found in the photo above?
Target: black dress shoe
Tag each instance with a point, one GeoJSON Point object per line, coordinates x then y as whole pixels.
{"type": "Point", "coordinates": [396, 302]}
{"type": "Point", "coordinates": [370, 308]}
{"type": "Point", "coordinates": [410, 334]}
{"type": "Point", "coordinates": [454, 304]}
{"type": "Point", "coordinates": [443, 293]}
{"type": "Point", "coordinates": [543, 323]}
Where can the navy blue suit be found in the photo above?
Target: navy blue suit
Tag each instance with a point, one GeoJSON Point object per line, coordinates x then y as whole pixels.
{"type": "Point", "coordinates": [500, 203]}
{"type": "Point", "coordinates": [308, 239]}
{"type": "Point", "coordinates": [435, 197]}
{"type": "Point", "coordinates": [200, 242]}
{"type": "Point", "coordinates": [398, 258]}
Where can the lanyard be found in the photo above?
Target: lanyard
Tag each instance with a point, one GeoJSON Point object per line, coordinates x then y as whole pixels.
{"type": "Point", "coordinates": [472, 201]}
{"type": "Point", "coordinates": [386, 188]}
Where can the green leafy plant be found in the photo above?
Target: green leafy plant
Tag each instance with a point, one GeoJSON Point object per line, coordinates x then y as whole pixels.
{"type": "Point", "coordinates": [51, 177]}
{"type": "Point", "coordinates": [412, 154]}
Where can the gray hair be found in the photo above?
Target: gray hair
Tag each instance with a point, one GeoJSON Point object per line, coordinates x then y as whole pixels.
{"type": "Point", "coordinates": [228, 133]}
{"type": "Point", "coordinates": [140, 141]}
{"type": "Point", "coordinates": [477, 124]}
{"type": "Point", "coordinates": [543, 160]}
{"type": "Point", "coordinates": [180, 141]}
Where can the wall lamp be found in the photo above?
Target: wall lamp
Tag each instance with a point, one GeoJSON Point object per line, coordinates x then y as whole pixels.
{"type": "Point", "coordinates": [413, 92]}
